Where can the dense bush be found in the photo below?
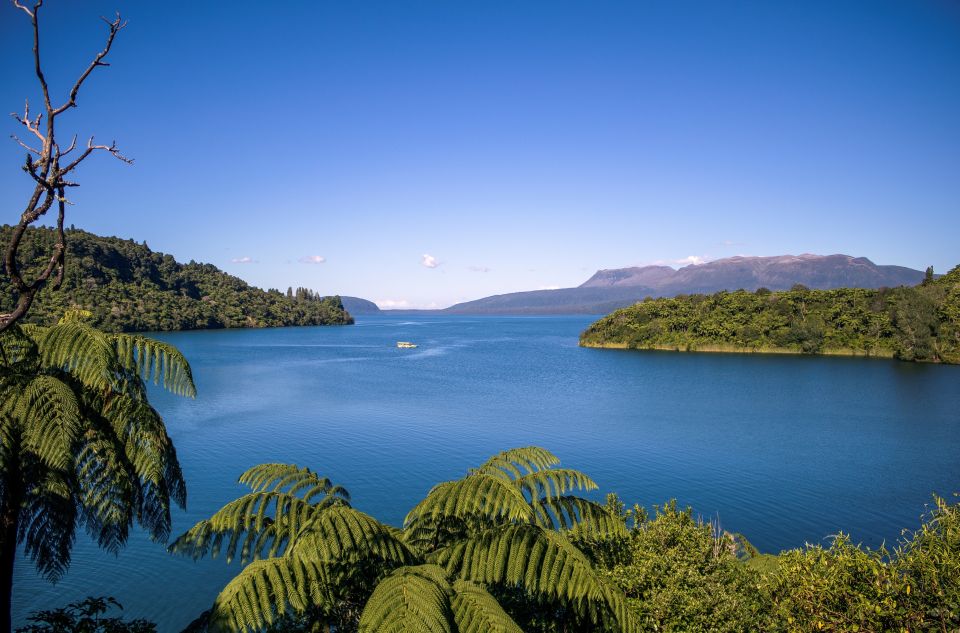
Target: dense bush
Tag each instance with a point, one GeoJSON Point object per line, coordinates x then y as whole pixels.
{"type": "Point", "coordinates": [681, 574]}
{"type": "Point", "coordinates": [129, 288]}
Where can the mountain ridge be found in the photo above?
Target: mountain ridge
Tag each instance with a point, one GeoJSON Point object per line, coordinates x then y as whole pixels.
{"type": "Point", "coordinates": [609, 289]}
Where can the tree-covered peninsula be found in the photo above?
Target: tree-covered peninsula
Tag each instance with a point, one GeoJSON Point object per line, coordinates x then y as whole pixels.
{"type": "Point", "coordinates": [920, 323]}
{"type": "Point", "coordinates": [129, 288]}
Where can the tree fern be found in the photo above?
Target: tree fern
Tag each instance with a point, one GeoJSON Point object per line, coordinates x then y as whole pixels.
{"type": "Point", "coordinates": [502, 527]}
{"type": "Point", "coordinates": [81, 445]}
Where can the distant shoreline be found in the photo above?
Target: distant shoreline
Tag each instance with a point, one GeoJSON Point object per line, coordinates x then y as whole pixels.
{"type": "Point", "coordinates": [738, 349]}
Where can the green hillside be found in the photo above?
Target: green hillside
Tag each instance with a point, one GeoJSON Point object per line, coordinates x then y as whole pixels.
{"type": "Point", "coordinates": [920, 323]}
{"type": "Point", "coordinates": [128, 287]}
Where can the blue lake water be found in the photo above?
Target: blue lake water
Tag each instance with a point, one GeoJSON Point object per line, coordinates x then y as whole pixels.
{"type": "Point", "coordinates": [784, 449]}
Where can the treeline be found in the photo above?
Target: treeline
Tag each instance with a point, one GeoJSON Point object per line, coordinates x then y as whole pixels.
{"type": "Point", "coordinates": [129, 288]}
{"type": "Point", "coordinates": [920, 323]}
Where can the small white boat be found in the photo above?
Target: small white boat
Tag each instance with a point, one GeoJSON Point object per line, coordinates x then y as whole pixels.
{"type": "Point", "coordinates": [406, 344]}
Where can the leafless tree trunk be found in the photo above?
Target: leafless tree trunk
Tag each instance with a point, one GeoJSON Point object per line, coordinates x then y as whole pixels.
{"type": "Point", "coordinates": [48, 166]}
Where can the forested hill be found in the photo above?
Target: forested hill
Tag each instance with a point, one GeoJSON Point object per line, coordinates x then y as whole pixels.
{"type": "Point", "coordinates": [128, 287]}
{"type": "Point", "coordinates": [919, 323]}
{"type": "Point", "coordinates": [356, 305]}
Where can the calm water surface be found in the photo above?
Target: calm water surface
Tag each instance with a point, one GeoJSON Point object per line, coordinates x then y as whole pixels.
{"type": "Point", "coordinates": [786, 450]}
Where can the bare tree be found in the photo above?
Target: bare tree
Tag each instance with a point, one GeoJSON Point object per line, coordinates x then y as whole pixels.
{"type": "Point", "coordinates": [48, 166]}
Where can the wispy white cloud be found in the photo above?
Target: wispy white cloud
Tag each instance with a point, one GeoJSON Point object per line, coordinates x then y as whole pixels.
{"type": "Point", "coordinates": [478, 269]}
{"type": "Point", "coordinates": [430, 261]}
{"type": "Point", "coordinates": [549, 288]}
{"type": "Point", "coordinates": [246, 259]}
{"type": "Point", "coordinates": [312, 259]}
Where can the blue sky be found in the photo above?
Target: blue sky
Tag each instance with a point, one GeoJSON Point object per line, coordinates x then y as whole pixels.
{"type": "Point", "coordinates": [510, 145]}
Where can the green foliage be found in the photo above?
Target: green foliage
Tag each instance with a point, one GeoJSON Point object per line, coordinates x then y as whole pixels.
{"type": "Point", "coordinates": [929, 564]}
{"type": "Point", "coordinates": [917, 324]}
{"type": "Point", "coordinates": [126, 287]}
{"type": "Point", "coordinates": [680, 574]}
{"type": "Point", "coordinates": [84, 616]}
{"type": "Point", "coordinates": [475, 555]}
{"type": "Point", "coordinates": [81, 444]}
{"type": "Point", "coordinates": [841, 588]}
{"type": "Point", "coordinates": [844, 587]}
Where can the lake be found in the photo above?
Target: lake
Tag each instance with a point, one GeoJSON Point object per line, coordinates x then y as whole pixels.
{"type": "Point", "coordinates": [784, 449]}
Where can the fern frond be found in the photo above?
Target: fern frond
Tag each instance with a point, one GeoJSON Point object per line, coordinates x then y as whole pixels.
{"type": "Point", "coordinates": [140, 431]}
{"type": "Point", "coordinates": [251, 523]}
{"type": "Point", "coordinates": [544, 563]}
{"type": "Point", "coordinates": [143, 443]}
{"type": "Point", "coordinates": [17, 345]}
{"type": "Point", "coordinates": [156, 360]}
{"type": "Point", "coordinates": [554, 482]}
{"type": "Point", "coordinates": [50, 416]}
{"type": "Point", "coordinates": [476, 494]}
{"type": "Point", "coordinates": [341, 533]}
{"type": "Point", "coordinates": [476, 611]}
{"type": "Point", "coordinates": [108, 492]}
{"type": "Point", "coordinates": [410, 599]}
{"type": "Point", "coordinates": [91, 449]}
{"type": "Point", "coordinates": [516, 462]}
{"type": "Point", "coordinates": [83, 352]}
{"type": "Point", "coordinates": [47, 521]}
{"type": "Point", "coordinates": [267, 589]}
{"type": "Point", "coordinates": [298, 481]}
{"type": "Point", "coordinates": [587, 517]}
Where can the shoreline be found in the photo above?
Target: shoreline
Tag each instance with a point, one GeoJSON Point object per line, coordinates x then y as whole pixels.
{"type": "Point", "coordinates": [720, 348]}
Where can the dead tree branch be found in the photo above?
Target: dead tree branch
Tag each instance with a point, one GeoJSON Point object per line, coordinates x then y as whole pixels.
{"type": "Point", "coordinates": [47, 171]}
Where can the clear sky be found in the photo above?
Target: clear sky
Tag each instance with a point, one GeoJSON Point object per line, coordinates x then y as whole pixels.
{"type": "Point", "coordinates": [423, 153]}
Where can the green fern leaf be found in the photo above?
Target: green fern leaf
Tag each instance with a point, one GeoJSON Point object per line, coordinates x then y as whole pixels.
{"type": "Point", "coordinates": [50, 416]}
{"type": "Point", "coordinates": [267, 589]}
{"type": "Point", "coordinates": [544, 563]}
{"type": "Point", "coordinates": [410, 599]}
{"type": "Point", "coordinates": [156, 360]}
{"type": "Point", "coordinates": [516, 462]}
{"type": "Point", "coordinates": [476, 494]}
{"type": "Point", "coordinates": [476, 611]}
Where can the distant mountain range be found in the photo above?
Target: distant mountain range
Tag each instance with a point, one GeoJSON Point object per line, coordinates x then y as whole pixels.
{"type": "Point", "coordinates": [608, 290]}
